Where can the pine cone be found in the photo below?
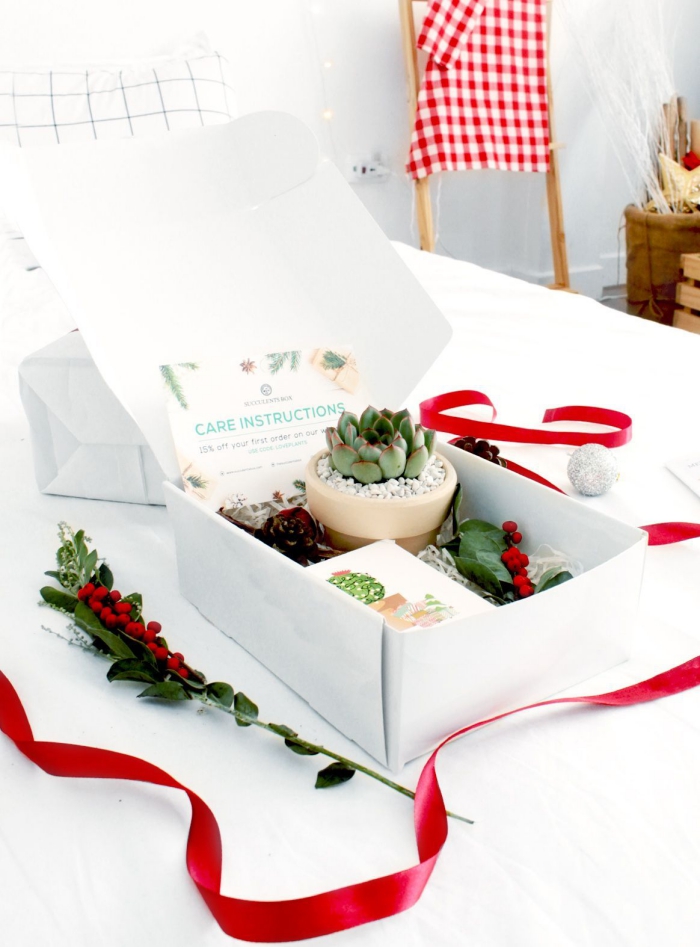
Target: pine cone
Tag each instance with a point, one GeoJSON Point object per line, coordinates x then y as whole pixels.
{"type": "Point", "coordinates": [292, 532]}
{"type": "Point", "coordinates": [481, 448]}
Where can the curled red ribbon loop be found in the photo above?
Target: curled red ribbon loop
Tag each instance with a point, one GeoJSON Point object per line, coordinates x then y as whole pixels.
{"type": "Point", "coordinates": [319, 914]}
{"type": "Point", "coordinates": [432, 416]}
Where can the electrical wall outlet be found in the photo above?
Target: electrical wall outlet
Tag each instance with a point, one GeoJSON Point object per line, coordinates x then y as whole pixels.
{"type": "Point", "coordinates": [366, 169]}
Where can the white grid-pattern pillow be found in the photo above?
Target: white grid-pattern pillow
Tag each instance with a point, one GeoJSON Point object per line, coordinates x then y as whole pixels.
{"type": "Point", "coordinates": [68, 104]}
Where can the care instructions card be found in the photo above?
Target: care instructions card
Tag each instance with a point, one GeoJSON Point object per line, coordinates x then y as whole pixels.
{"type": "Point", "coordinates": [245, 427]}
{"type": "Point", "coordinates": [406, 592]}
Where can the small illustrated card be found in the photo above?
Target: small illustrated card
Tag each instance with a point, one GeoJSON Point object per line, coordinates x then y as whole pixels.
{"type": "Point", "coordinates": [246, 427]}
{"type": "Point", "coordinates": [405, 591]}
{"type": "Point", "coordinates": [687, 470]}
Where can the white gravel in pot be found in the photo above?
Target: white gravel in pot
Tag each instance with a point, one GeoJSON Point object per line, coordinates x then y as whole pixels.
{"type": "Point", "coordinates": [400, 488]}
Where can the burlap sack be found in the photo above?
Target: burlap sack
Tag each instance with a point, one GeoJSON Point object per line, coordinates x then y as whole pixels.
{"type": "Point", "coordinates": [654, 246]}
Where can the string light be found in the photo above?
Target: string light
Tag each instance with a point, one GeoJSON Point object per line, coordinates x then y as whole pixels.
{"type": "Point", "coordinates": [327, 114]}
{"type": "Point", "coordinates": [328, 64]}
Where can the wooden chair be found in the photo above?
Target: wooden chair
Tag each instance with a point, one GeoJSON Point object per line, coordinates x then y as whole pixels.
{"type": "Point", "coordinates": [412, 15]}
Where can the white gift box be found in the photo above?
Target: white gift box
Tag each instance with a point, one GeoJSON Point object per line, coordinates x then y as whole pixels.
{"type": "Point", "coordinates": [84, 442]}
{"type": "Point", "coordinates": [396, 693]}
{"type": "Point", "coordinates": [238, 234]}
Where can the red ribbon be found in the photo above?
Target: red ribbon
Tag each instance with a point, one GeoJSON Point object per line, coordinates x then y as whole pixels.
{"type": "Point", "coordinates": [319, 914]}
{"type": "Point", "coordinates": [432, 416]}
{"type": "Point", "coordinates": [661, 534]}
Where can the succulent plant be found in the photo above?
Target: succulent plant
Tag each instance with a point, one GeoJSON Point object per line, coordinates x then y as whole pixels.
{"type": "Point", "coordinates": [379, 445]}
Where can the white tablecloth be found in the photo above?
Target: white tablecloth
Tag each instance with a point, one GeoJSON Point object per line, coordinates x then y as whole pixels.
{"type": "Point", "coordinates": [587, 820]}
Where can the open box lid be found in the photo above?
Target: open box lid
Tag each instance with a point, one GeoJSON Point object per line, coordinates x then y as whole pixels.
{"type": "Point", "coordinates": [197, 243]}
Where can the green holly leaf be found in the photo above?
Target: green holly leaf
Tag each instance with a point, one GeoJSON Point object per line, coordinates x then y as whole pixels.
{"type": "Point", "coordinates": [472, 543]}
{"type": "Point", "coordinates": [191, 683]}
{"type": "Point", "coordinates": [298, 748]}
{"type": "Point", "coordinates": [220, 692]}
{"type": "Point", "coordinates": [166, 690]}
{"type": "Point", "coordinates": [456, 503]}
{"type": "Point", "coordinates": [86, 619]}
{"type": "Point", "coordinates": [132, 669]}
{"type": "Point", "coordinates": [495, 564]}
{"type": "Point", "coordinates": [480, 574]}
{"type": "Point", "coordinates": [479, 526]}
{"type": "Point", "coordinates": [58, 599]}
{"type": "Point", "coordinates": [244, 706]}
{"type": "Point", "coordinates": [104, 574]}
{"type": "Point", "coordinates": [333, 775]}
{"type": "Point", "coordinates": [282, 730]}
{"type": "Point", "coordinates": [551, 578]}
{"type": "Point", "coordinates": [142, 652]}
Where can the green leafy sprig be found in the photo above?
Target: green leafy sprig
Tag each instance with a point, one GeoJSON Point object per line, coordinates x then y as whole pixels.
{"type": "Point", "coordinates": [132, 660]}
{"type": "Point", "coordinates": [476, 548]}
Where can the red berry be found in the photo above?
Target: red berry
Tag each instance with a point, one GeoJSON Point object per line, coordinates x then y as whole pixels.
{"type": "Point", "coordinates": [161, 654]}
{"type": "Point", "coordinates": [173, 663]}
{"type": "Point", "coordinates": [517, 537]}
{"type": "Point", "coordinates": [115, 596]}
{"type": "Point", "coordinates": [88, 589]}
{"type": "Point", "coordinates": [153, 646]}
{"type": "Point", "coordinates": [105, 613]}
{"type": "Point", "coordinates": [525, 590]}
{"type": "Point", "coordinates": [111, 621]}
{"type": "Point", "coordinates": [509, 526]}
{"type": "Point", "coordinates": [183, 672]}
{"type": "Point", "coordinates": [123, 608]}
{"type": "Point", "coordinates": [154, 626]}
{"type": "Point", "coordinates": [96, 605]}
{"type": "Point", "coordinates": [101, 593]}
{"type": "Point", "coordinates": [123, 621]}
{"type": "Point", "coordinates": [505, 557]}
{"type": "Point", "coordinates": [522, 572]}
{"type": "Point", "coordinates": [82, 594]}
{"type": "Point", "coordinates": [179, 656]}
{"type": "Point", "coordinates": [524, 559]}
{"type": "Point", "coordinates": [135, 629]}
{"type": "Point", "coordinates": [149, 635]}
{"type": "Point", "coordinates": [519, 581]}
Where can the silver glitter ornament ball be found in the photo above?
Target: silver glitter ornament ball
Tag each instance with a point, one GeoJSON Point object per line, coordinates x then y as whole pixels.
{"type": "Point", "coordinates": [593, 469]}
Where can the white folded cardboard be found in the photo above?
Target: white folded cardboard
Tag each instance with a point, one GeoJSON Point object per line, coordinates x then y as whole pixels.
{"type": "Point", "coordinates": [171, 249]}
{"type": "Point", "coordinates": [238, 231]}
{"type": "Point", "coordinates": [84, 442]}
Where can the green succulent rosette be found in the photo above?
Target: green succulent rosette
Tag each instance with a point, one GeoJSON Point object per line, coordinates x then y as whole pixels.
{"type": "Point", "coordinates": [379, 445]}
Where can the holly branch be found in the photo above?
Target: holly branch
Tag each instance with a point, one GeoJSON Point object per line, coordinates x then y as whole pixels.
{"type": "Point", "coordinates": [112, 626]}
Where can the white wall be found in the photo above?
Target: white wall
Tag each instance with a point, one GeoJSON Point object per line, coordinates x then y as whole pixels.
{"type": "Point", "coordinates": [277, 49]}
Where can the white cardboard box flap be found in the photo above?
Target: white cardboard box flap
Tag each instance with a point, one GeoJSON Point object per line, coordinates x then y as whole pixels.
{"type": "Point", "coordinates": [69, 408]}
{"type": "Point", "coordinates": [172, 248]}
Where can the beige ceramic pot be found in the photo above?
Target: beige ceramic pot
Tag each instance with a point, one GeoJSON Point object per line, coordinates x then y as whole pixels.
{"type": "Point", "coordinates": [354, 521]}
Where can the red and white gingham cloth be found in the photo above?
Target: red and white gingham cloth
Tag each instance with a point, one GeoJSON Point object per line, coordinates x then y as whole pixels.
{"type": "Point", "coordinates": [483, 101]}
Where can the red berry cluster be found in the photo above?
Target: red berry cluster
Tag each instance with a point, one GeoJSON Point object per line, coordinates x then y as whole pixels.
{"type": "Point", "coordinates": [516, 561]}
{"type": "Point", "coordinates": [116, 614]}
